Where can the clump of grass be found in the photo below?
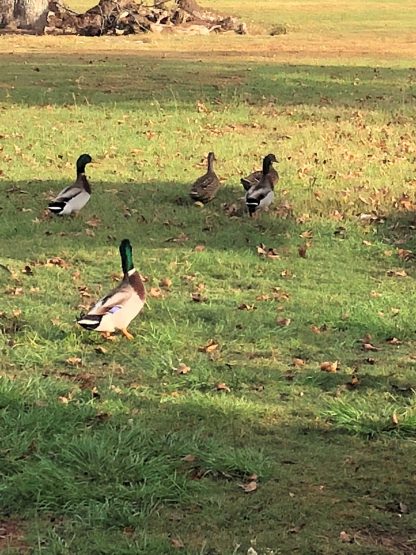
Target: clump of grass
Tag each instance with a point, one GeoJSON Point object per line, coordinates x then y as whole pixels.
{"type": "Point", "coordinates": [371, 417]}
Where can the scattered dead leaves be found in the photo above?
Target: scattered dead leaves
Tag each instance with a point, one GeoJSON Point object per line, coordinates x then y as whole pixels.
{"type": "Point", "coordinates": [267, 252]}
{"type": "Point", "coordinates": [247, 307]}
{"type": "Point", "coordinates": [222, 387]}
{"type": "Point", "coordinates": [182, 369]}
{"type": "Point", "coordinates": [210, 347]}
{"type": "Point", "coordinates": [397, 273]}
{"type": "Point", "coordinates": [330, 367]}
{"type": "Point", "coordinates": [283, 322]}
{"type": "Point", "coordinates": [165, 283]}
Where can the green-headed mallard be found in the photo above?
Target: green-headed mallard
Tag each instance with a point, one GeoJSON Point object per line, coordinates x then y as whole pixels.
{"type": "Point", "coordinates": [116, 310]}
{"type": "Point", "coordinates": [255, 177]}
{"type": "Point", "coordinates": [261, 194]}
{"type": "Point", "coordinates": [73, 198]}
{"type": "Point", "coordinates": [205, 187]}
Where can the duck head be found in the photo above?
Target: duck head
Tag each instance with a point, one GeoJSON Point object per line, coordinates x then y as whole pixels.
{"type": "Point", "coordinates": [267, 162]}
{"type": "Point", "coordinates": [82, 161]}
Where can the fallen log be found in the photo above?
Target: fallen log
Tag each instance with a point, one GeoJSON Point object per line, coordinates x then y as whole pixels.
{"type": "Point", "coordinates": [125, 17]}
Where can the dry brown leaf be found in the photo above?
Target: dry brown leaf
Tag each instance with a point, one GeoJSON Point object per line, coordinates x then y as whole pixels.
{"type": "Point", "coordinates": [248, 307]}
{"type": "Point", "coordinates": [308, 234]}
{"type": "Point", "coordinates": [395, 419]}
{"type": "Point", "coordinates": [165, 282]}
{"type": "Point", "coordinates": [369, 347]}
{"type": "Point", "coordinates": [189, 458]}
{"type": "Point", "coordinates": [94, 221]}
{"type": "Point", "coordinates": [155, 292]}
{"type": "Point", "coordinates": [394, 341]}
{"type": "Point", "coordinates": [182, 368]}
{"type": "Point", "coordinates": [89, 232]}
{"type": "Point", "coordinates": [397, 273]}
{"type": "Point", "coordinates": [181, 238]}
{"type": "Point", "coordinates": [199, 248]}
{"type": "Point", "coordinates": [283, 322]}
{"type": "Point", "coordinates": [64, 400]}
{"type": "Point", "coordinates": [302, 250]}
{"type": "Point", "coordinates": [249, 487]}
{"type": "Point", "coordinates": [405, 254]}
{"type": "Point", "coordinates": [16, 312]}
{"type": "Point", "coordinates": [222, 387]}
{"type": "Point", "coordinates": [57, 261]}
{"type": "Point", "coordinates": [74, 361]}
{"type": "Point", "coordinates": [209, 347]}
{"type": "Point", "coordinates": [197, 297]}
{"type": "Point", "coordinates": [298, 362]}
{"type": "Point", "coordinates": [330, 367]}
{"type": "Point", "coordinates": [177, 543]}
{"type": "Point", "coordinates": [345, 538]}
{"type": "Point", "coordinates": [100, 350]}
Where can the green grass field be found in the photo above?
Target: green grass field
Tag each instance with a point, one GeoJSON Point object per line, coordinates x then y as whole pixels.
{"type": "Point", "coordinates": [106, 448]}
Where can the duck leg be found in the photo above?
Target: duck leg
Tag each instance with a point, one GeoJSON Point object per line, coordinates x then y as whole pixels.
{"type": "Point", "coordinates": [127, 334]}
{"type": "Point", "coordinates": [107, 335]}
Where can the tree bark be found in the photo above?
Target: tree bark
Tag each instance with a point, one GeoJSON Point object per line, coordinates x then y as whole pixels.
{"type": "Point", "coordinates": [24, 13]}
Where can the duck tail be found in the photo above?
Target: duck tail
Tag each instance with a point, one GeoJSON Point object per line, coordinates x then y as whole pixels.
{"type": "Point", "coordinates": [57, 206]}
{"type": "Point", "coordinates": [245, 183]}
{"type": "Point", "coordinates": [252, 205]}
{"type": "Point", "coordinates": [90, 321]}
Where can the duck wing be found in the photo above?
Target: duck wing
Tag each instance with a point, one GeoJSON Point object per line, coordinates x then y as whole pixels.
{"type": "Point", "coordinates": [114, 301]}
{"type": "Point", "coordinates": [250, 180]}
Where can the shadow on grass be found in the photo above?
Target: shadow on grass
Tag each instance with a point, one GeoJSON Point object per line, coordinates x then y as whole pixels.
{"type": "Point", "coordinates": [153, 215]}
{"type": "Point", "coordinates": [134, 81]}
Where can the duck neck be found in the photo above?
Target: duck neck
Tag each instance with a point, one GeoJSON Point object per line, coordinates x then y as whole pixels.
{"type": "Point", "coordinates": [210, 163]}
{"type": "Point", "coordinates": [127, 260]}
{"type": "Point", "coordinates": [267, 166]}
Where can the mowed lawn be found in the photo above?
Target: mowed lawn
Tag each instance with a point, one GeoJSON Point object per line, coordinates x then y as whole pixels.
{"type": "Point", "coordinates": [267, 401]}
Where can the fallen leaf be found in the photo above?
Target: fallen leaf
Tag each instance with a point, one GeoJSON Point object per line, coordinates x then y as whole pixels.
{"type": "Point", "coordinates": [354, 382]}
{"type": "Point", "coordinates": [89, 232]}
{"type": "Point", "coordinates": [298, 362]}
{"type": "Point", "coordinates": [189, 458]}
{"type": "Point", "coordinates": [222, 387]}
{"type": "Point", "coordinates": [248, 307]}
{"type": "Point", "coordinates": [94, 221]}
{"type": "Point", "coordinates": [209, 347]}
{"type": "Point", "coordinates": [57, 261]}
{"type": "Point", "coordinates": [249, 487]}
{"type": "Point", "coordinates": [155, 292]}
{"type": "Point", "coordinates": [308, 234]}
{"type": "Point", "coordinates": [177, 543]}
{"type": "Point", "coordinates": [283, 322]}
{"type": "Point", "coordinates": [199, 248]}
{"type": "Point", "coordinates": [100, 350]}
{"type": "Point", "coordinates": [182, 368]}
{"type": "Point", "coordinates": [181, 238]}
{"type": "Point", "coordinates": [74, 361]}
{"type": "Point", "coordinates": [395, 419]}
{"type": "Point", "coordinates": [330, 367]}
{"type": "Point", "coordinates": [197, 297]}
{"type": "Point", "coordinates": [394, 341]}
{"type": "Point", "coordinates": [397, 273]}
{"type": "Point", "coordinates": [27, 270]}
{"type": "Point", "coordinates": [345, 538]}
{"type": "Point", "coordinates": [64, 400]}
{"type": "Point", "coordinates": [165, 282]}
{"type": "Point", "coordinates": [369, 347]}
{"type": "Point", "coordinates": [302, 250]}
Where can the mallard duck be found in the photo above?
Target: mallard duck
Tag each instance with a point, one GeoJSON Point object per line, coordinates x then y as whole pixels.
{"type": "Point", "coordinates": [255, 177]}
{"type": "Point", "coordinates": [261, 194]}
{"type": "Point", "coordinates": [205, 187]}
{"type": "Point", "coordinates": [117, 309]}
{"type": "Point", "coordinates": [71, 199]}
